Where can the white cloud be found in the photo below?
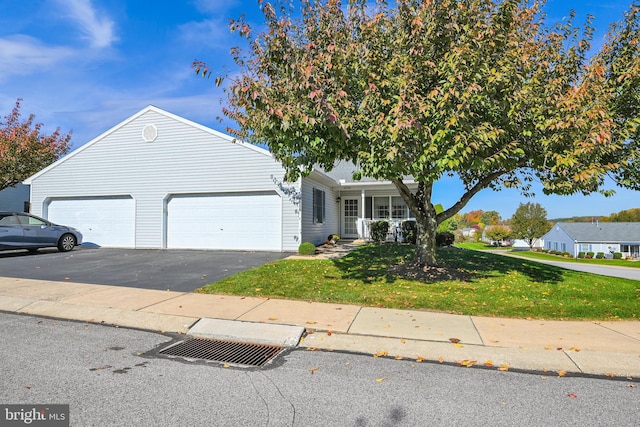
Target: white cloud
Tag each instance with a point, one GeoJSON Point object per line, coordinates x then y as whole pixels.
{"type": "Point", "coordinates": [98, 29]}
{"type": "Point", "coordinates": [21, 54]}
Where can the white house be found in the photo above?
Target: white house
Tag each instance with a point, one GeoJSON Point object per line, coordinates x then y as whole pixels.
{"type": "Point", "coordinates": [605, 237]}
{"type": "Point", "coordinates": [157, 180]}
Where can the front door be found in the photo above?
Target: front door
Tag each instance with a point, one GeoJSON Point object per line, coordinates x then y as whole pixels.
{"type": "Point", "coordinates": [350, 215]}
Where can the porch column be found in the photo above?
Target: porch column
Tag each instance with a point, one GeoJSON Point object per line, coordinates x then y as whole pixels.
{"type": "Point", "coordinates": [362, 213]}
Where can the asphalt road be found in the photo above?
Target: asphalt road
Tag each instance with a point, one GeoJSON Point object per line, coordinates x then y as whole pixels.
{"type": "Point", "coordinates": [100, 373]}
{"type": "Point", "coordinates": [175, 270]}
{"type": "Point", "coordinates": [604, 270]}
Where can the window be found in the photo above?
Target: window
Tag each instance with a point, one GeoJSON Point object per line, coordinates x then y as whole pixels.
{"type": "Point", "coordinates": [318, 206]}
{"type": "Point", "coordinates": [399, 209]}
{"type": "Point", "coordinates": [381, 207]}
{"type": "Point", "coordinates": [585, 247]}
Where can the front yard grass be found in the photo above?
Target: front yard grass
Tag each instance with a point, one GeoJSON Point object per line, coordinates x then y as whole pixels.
{"type": "Point", "coordinates": [497, 285]}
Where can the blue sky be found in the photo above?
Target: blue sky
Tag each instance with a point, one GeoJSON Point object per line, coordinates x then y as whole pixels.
{"type": "Point", "coordinates": [86, 65]}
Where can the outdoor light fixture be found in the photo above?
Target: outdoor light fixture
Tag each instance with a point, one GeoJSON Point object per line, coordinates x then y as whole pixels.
{"type": "Point", "coordinates": [338, 199]}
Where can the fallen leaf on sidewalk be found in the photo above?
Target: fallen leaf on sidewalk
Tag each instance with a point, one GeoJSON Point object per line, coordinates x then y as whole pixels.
{"type": "Point", "coordinates": [562, 373]}
{"type": "Point", "coordinates": [454, 340]}
{"type": "Point", "coordinates": [398, 357]}
{"type": "Point", "coordinates": [609, 374]}
{"type": "Point", "coordinates": [571, 395]}
{"type": "Point", "coordinates": [503, 367]}
{"type": "Point", "coordinates": [458, 345]}
{"type": "Point", "coordinates": [329, 333]}
{"type": "Point", "coordinates": [311, 322]}
{"type": "Point", "coordinates": [420, 359]}
{"type": "Point", "coordinates": [381, 354]}
{"type": "Point", "coordinates": [441, 359]}
{"type": "Point", "coordinates": [273, 318]}
{"type": "Point", "coordinates": [467, 363]}
{"type": "Point", "coordinates": [574, 349]}
{"type": "Point", "coordinates": [379, 380]}
{"type": "Point", "coordinates": [488, 363]}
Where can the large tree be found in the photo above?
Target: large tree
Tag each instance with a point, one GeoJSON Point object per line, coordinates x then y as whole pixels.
{"type": "Point", "coordinates": [529, 223]}
{"type": "Point", "coordinates": [24, 149]}
{"type": "Point", "coordinates": [483, 90]}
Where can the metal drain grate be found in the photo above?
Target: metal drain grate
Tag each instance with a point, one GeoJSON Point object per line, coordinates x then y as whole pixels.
{"type": "Point", "coordinates": [236, 353]}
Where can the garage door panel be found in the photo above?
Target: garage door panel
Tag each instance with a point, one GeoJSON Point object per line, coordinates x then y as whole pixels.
{"type": "Point", "coordinates": [103, 221]}
{"type": "Point", "coordinates": [235, 222]}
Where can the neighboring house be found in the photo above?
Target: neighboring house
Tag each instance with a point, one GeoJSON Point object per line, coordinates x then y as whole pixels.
{"type": "Point", "coordinates": [157, 180]}
{"type": "Point", "coordinates": [514, 243]}
{"type": "Point", "coordinates": [15, 199]}
{"type": "Point", "coordinates": [469, 232]}
{"type": "Point", "coordinates": [606, 237]}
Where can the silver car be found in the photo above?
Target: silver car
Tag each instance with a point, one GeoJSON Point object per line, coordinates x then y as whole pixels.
{"type": "Point", "coordinates": [19, 230]}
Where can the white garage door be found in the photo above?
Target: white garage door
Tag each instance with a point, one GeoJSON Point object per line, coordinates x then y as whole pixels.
{"type": "Point", "coordinates": [236, 222]}
{"type": "Point", "coordinates": [103, 221]}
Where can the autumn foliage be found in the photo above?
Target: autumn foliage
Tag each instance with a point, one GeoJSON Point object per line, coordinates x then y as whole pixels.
{"type": "Point", "coordinates": [482, 90]}
{"type": "Point", "coordinates": [24, 149]}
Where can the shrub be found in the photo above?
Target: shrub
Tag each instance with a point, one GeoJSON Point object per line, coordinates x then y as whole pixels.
{"type": "Point", "coordinates": [600, 255]}
{"type": "Point", "coordinates": [307, 248]}
{"type": "Point", "coordinates": [379, 230]}
{"type": "Point", "coordinates": [566, 254]}
{"type": "Point", "coordinates": [410, 232]}
{"type": "Point", "coordinates": [581, 254]}
{"type": "Point", "coordinates": [444, 239]}
{"type": "Point", "coordinates": [617, 255]}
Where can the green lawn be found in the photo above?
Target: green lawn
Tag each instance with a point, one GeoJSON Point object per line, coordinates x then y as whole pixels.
{"type": "Point", "coordinates": [498, 285]}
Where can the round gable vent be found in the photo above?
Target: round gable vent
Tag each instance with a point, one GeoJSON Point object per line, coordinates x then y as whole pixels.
{"type": "Point", "coordinates": [149, 133]}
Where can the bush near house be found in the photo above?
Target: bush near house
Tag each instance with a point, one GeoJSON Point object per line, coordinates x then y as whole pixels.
{"type": "Point", "coordinates": [600, 255]}
{"type": "Point", "coordinates": [444, 239]}
{"type": "Point", "coordinates": [409, 232]}
{"type": "Point", "coordinates": [307, 248]}
{"type": "Point", "coordinates": [379, 230]}
{"type": "Point", "coordinates": [581, 255]}
{"type": "Point", "coordinates": [617, 255]}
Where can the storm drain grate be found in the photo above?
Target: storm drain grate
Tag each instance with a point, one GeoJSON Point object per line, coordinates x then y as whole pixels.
{"type": "Point", "coordinates": [237, 353]}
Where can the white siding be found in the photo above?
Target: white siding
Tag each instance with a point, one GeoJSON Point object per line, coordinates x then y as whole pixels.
{"type": "Point", "coordinates": [556, 238]}
{"type": "Point", "coordinates": [185, 158]}
{"type": "Point", "coordinates": [318, 233]}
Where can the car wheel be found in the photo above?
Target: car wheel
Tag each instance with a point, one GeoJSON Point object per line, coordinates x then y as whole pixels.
{"type": "Point", "coordinates": [66, 243]}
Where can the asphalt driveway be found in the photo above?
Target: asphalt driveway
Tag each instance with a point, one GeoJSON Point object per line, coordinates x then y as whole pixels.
{"type": "Point", "coordinates": [175, 270]}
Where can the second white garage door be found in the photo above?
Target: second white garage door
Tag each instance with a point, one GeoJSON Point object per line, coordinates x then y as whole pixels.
{"type": "Point", "coordinates": [225, 221]}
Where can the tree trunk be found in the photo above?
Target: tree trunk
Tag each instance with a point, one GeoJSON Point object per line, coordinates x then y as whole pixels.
{"type": "Point", "coordinates": [426, 241]}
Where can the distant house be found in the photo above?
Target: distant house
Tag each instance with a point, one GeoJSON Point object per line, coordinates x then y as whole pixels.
{"type": "Point", "coordinates": [15, 198]}
{"type": "Point", "coordinates": [606, 237]}
{"type": "Point", "coordinates": [514, 243]}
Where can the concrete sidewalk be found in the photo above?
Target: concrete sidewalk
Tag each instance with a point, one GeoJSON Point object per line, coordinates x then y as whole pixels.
{"type": "Point", "coordinates": [598, 348]}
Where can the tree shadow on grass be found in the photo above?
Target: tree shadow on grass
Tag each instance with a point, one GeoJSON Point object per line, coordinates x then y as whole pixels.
{"type": "Point", "coordinates": [390, 260]}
